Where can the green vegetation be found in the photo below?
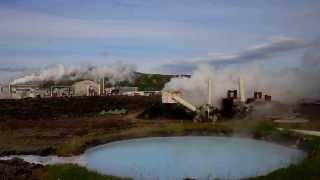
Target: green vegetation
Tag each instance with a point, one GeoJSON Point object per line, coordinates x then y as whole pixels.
{"type": "Point", "coordinates": [73, 172]}
{"type": "Point", "coordinates": [147, 82]}
{"type": "Point", "coordinates": [308, 169]}
{"type": "Point", "coordinates": [120, 111]}
{"type": "Point", "coordinates": [264, 129]}
{"type": "Point", "coordinates": [151, 82]}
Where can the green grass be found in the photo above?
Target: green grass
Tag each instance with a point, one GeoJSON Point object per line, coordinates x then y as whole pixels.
{"type": "Point", "coordinates": [264, 129]}
{"type": "Point", "coordinates": [308, 169]}
{"type": "Point", "coordinates": [151, 82]}
{"type": "Point", "coordinates": [74, 172]}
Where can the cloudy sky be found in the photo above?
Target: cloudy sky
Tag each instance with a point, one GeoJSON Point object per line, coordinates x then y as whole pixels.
{"type": "Point", "coordinates": [170, 36]}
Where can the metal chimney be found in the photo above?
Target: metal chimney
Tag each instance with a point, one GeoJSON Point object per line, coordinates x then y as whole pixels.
{"type": "Point", "coordinates": [99, 87]}
{"type": "Point", "coordinates": [209, 91]}
{"type": "Point", "coordinates": [103, 86]}
{"type": "Point", "coordinates": [241, 89]}
{"type": "Point", "coordinates": [10, 93]}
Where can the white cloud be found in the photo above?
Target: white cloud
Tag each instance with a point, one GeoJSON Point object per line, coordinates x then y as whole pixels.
{"type": "Point", "coordinates": [257, 52]}
{"type": "Point", "coordinates": [21, 23]}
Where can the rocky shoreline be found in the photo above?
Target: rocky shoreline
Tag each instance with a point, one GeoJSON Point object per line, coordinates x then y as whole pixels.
{"type": "Point", "coordinates": [16, 169]}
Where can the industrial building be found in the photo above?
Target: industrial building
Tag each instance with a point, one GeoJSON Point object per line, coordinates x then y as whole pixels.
{"type": "Point", "coordinates": [86, 88]}
{"type": "Point", "coordinates": [61, 91]}
{"type": "Point", "coordinates": [19, 91]}
{"type": "Point", "coordinates": [121, 90]}
{"type": "Point", "coordinates": [79, 88]}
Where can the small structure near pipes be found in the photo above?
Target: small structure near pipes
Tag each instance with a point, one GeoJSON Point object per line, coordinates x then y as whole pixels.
{"type": "Point", "coordinates": [61, 91]}
{"type": "Point", "coordinates": [234, 104]}
{"type": "Point", "coordinates": [257, 95]}
{"type": "Point", "coordinates": [267, 97]}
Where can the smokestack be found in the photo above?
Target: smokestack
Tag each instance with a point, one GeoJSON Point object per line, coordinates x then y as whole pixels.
{"type": "Point", "coordinates": [99, 87]}
{"type": "Point", "coordinates": [209, 91]}
{"type": "Point", "coordinates": [241, 89]}
{"type": "Point", "coordinates": [103, 86]}
{"type": "Point", "coordinates": [10, 94]}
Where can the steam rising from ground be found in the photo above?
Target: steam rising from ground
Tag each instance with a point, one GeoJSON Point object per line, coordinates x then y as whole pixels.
{"type": "Point", "coordinates": [59, 72]}
{"type": "Point", "coordinates": [286, 85]}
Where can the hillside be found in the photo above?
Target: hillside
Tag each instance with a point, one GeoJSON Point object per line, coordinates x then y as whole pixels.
{"type": "Point", "coordinates": [148, 82]}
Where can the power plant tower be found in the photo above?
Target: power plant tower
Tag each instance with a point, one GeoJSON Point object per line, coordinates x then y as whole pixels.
{"type": "Point", "coordinates": [99, 87]}
{"type": "Point", "coordinates": [209, 91]}
{"type": "Point", "coordinates": [103, 86]}
{"type": "Point", "coordinates": [10, 93]}
{"type": "Point", "coordinates": [241, 89]}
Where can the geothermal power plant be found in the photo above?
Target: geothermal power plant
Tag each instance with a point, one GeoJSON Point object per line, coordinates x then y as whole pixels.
{"type": "Point", "coordinates": [79, 88]}
{"type": "Point", "coordinates": [159, 90]}
{"type": "Point", "coordinates": [234, 103]}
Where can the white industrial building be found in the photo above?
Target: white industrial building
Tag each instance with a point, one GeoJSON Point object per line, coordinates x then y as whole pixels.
{"type": "Point", "coordinates": [60, 91]}
{"type": "Point", "coordinates": [80, 88]}
{"type": "Point", "coordinates": [86, 88]}
{"type": "Point", "coordinates": [19, 91]}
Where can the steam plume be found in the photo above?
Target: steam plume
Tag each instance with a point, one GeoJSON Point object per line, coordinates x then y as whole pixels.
{"type": "Point", "coordinates": [59, 72]}
{"type": "Point", "coordinates": [285, 85]}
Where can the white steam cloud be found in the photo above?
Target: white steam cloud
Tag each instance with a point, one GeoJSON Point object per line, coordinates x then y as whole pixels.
{"type": "Point", "coordinates": [59, 72]}
{"type": "Point", "coordinates": [286, 85]}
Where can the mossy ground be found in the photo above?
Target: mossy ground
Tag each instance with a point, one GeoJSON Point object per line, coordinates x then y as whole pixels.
{"type": "Point", "coordinates": [72, 172]}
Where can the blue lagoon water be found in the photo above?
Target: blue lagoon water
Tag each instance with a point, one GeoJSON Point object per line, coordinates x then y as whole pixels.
{"type": "Point", "coordinates": [199, 157]}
